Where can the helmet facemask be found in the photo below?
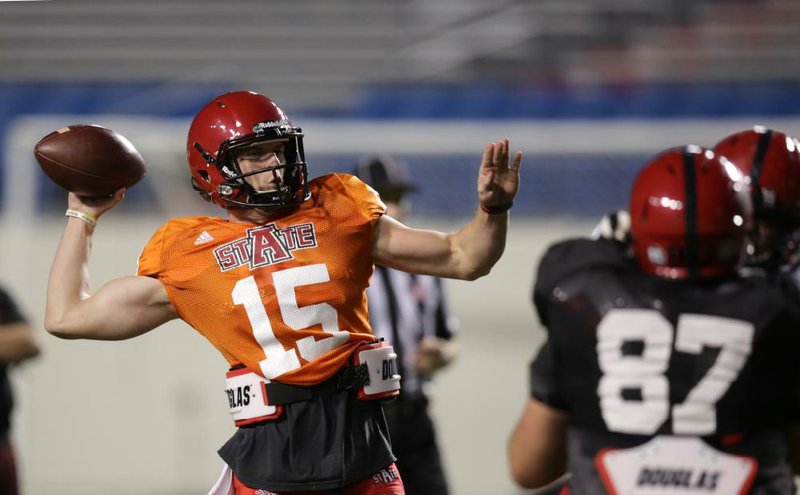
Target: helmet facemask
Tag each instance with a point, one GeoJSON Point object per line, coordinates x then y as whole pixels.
{"type": "Point", "coordinates": [290, 172]}
{"type": "Point", "coordinates": [222, 129]}
{"type": "Point", "coordinates": [775, 241]}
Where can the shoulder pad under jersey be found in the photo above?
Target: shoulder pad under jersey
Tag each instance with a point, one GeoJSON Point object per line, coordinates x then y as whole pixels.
{"type": "Point", "coordinates": [567, 257]}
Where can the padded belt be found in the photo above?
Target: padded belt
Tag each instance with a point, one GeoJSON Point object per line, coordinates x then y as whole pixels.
{"type": "Point", "coordinates": [344, 379]}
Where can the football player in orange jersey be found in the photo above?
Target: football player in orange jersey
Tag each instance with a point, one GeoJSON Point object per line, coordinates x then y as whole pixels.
{"type": "Point", "coordinates": [278, 287]}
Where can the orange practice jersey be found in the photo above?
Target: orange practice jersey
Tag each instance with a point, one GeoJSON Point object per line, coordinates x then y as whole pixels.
{"type": "Point", "coordinates": [286, 299]}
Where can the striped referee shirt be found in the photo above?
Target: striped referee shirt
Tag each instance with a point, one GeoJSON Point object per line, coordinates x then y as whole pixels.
{"type": "Point", "coordinates": [403, 308]}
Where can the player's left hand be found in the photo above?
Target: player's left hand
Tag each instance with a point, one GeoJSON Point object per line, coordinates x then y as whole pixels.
{"type": "Point", "coordinates": [498, 182]}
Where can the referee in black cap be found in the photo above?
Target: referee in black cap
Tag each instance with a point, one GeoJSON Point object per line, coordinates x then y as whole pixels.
{"type": "Point", "coordinates": [409, 311]}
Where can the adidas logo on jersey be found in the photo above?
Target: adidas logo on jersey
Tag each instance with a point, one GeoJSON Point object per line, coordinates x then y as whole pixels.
{"type": "Point", "coordinates": [203, 238]}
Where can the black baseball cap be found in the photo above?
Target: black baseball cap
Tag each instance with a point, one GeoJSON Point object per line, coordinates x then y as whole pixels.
{"type": "Point", "coordinates": [385, 174]}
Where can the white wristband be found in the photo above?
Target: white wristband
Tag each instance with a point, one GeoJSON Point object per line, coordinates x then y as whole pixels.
{"type": "Point", "coordinates": [90, 219]}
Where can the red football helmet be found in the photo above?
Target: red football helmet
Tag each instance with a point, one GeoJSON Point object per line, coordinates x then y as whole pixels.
{"type": "Point", "coordinates": [230, 123]}
{"type": "Point", "coordinates": [771, 161]}
{"type": "Point", "coordinates": [690, 214]}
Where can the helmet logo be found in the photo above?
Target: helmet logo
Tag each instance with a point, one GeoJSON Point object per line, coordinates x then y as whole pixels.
{"type": "Point", "coordinates": [261, 128]}
{"type": "Point", "coordinates": [656, 255]}
{"type": "Point", "coordinates": [227, 171]}
{"type": "Point", "coordinates": [225, 190]}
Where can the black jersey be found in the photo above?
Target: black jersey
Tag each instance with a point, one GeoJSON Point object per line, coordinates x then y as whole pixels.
{"type": "Point", "coordinates": [630, 357]}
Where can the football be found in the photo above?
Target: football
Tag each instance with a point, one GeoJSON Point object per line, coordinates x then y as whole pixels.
{"type": "Point", "coordinates": [89, 160]}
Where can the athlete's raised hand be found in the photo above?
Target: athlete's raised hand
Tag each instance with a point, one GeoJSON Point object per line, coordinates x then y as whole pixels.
{"type": "Point", "coordinates": [498, 182]}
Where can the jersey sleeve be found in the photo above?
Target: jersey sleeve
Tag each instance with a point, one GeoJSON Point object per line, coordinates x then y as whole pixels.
{"type": "Point", "coordinates": [367, 200]}
{"type": "Point", "coordinates": [567, 257]}
{"type": "Point", "coordinates": [544, 377]}
{"type": "Point", "coordinates": [151, 259]}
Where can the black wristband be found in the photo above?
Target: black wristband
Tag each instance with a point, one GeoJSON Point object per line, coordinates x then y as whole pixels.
{"type": "Point", "coordinates": [495, 209]}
